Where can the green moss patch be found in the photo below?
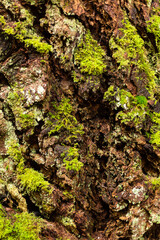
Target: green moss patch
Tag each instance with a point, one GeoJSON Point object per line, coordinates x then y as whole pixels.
{"type": "Point", "coordinates": [71, 159]}
{"type": "Point", "coordinates": [90, 56]}
{"type": "Point", "coordinates": [22, 226]}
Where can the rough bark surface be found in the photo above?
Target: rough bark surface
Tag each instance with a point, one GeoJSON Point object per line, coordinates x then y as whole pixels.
{"type": "Point", "coordinates": [99, 173]}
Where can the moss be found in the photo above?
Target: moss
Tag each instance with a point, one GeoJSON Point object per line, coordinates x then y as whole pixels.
{"type": "Point", "coordinates": [63, 119]}
{"type": "Point", "coordinates": [23, 31]}
{"type": "Point", "coordinates": [135, 112]}
{"type": "Point", "coordinates": [41, 47]}
{"type": "Point", "coordinates": [70, 159]}
{"type": "Point", "coordinates": [22, 226]}
{"type": "Point", "coordinates": [35, 2]}
{"type": "Point", "coordinates": [32, 181]}
{"type": "Point", "coordinates": [141, 100]}
{"type": "Point", "coordinates": [68, 195]}
{"type": "Point", "coordinates": [129, 49]}
{"type": "Point", "coordinates": [14, 151]}
{"type": "Point", "coordinates": [55, 1]}
{"type": "Point", "coordinates": [155, 129]}
{"type": "Point", "coordinates": [26, 120]}
{"type": "Point", "coordinates": [66, 221]}
{"type": "Point", "coordinates": [90, 56]}
{"type": "Point", "coordinates": [60, 238]}
{"type": "Point", "coordinates": [134, 108]}
{"type": "Point", "coordinates": [155, 182]}
{"type": "Point", "coordinates": [109, 95]}
{"type": "Point", "coordinates": [153, 27]}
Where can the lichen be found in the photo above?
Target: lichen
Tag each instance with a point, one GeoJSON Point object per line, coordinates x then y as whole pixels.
{"type": "Point", "coordinates": [17, 196]}
{"type": "Point", "coordinates": [25, 118]}
{"type": "Point", "coordinates": [66, 33]}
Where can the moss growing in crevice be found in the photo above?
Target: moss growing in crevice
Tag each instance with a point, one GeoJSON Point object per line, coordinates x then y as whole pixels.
{"type": "Point", "coordinates": [30, 180]}
{"type": "Point", "coordinates": [154, 45]}
{"type": "Point", "coordinates": [153, 27]}
{"type": "Point", "coordinates": [155, 182]}
{"type": "Point", "coordinates": [14, 150]}
{"type": "Point", "coordinates": [90, 59]}
{"type": "Point", "coordinates": [155, 129]}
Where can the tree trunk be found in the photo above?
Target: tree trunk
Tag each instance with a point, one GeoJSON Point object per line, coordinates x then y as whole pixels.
{"type": "Point", "coordinates": [79, 117]}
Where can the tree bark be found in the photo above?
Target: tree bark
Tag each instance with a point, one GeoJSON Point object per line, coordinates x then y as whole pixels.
{"type": "Point", "coordinates": [79, 116]}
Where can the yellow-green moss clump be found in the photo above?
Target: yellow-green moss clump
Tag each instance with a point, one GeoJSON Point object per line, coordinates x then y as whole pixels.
{"type": "Point", "coordinates": [155, 182]}
{"type": "Point", "coordinates": [90, 56]}
{"type": "Point", "coordinates": [21, 226]}
{"type": "Point", "coordinates": [154, 51]}
{"type": "Point", "coordinates": [14, 151]}
{"type": "Point", "coordinates": [32, 181]}
{"type": "Point", "coordinates": [153, 27]}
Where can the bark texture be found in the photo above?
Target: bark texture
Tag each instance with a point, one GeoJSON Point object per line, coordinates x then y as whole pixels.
{"type": "Point", "coordinates": [79, 116]}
